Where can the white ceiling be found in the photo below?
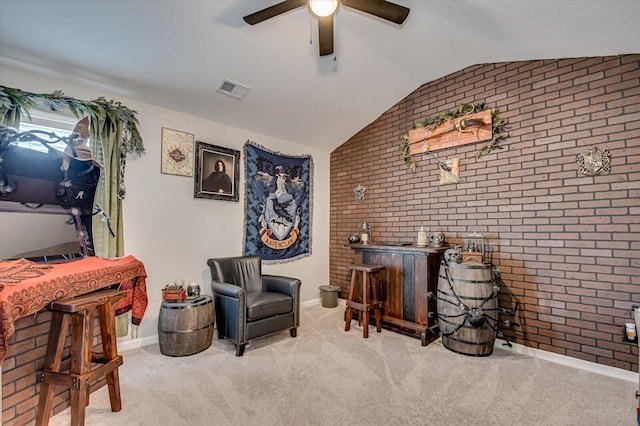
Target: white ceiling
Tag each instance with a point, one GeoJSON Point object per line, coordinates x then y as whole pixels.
{"type": "Point", "coordinates": [175, 53]}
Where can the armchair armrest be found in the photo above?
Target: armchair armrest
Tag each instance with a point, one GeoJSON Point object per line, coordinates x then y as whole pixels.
{"type": "Point", "coordinates": [226, 289]}
{"type": "Point", "coordinates": [280, 284]}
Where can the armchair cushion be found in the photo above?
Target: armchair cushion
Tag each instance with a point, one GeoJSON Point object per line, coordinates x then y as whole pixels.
{"type": "Point", "coordinates": [263, 305]}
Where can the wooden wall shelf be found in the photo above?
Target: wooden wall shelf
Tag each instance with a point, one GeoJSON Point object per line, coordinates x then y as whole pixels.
{"type": "Point", "coordinates": [446, 136]}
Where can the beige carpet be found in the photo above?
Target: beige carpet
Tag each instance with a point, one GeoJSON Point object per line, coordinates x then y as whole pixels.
{"type": "Point", "coordinates": [328, 377]}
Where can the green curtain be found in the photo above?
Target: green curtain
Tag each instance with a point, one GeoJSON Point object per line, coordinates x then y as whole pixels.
{"type": "Point", "coordinates": [106, 144]}
{"type": "Point", "coordinates": [11, 118]}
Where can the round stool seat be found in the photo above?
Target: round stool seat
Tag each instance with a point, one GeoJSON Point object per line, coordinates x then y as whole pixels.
{"type": "Point", "coordinates": [367, 268]}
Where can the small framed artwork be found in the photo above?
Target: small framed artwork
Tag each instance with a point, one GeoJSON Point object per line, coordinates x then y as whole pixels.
{"type": "Point", "coordinates": [217, 172]}
{"type": "Point", "coordinates": [177, 152]}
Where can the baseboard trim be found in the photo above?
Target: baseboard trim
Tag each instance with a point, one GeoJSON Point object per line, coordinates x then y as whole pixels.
{"type": "Point", "coordinates": [126, 344]}
{"type": "Point", "coordinates": [593, 367]}
{"type": "Point", "coordinates": [314, 302]}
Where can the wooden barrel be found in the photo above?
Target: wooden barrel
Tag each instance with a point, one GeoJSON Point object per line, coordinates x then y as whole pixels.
{"type": "Point", "coordinates": [467, 308]}
{"type": "Point", "coordinates": [185, 328]}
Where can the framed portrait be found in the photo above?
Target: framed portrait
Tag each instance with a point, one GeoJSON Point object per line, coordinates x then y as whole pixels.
{"type": "Point", "coordinates": [177, 152]}
{"type": "Point", "coordinates": [217, 172]}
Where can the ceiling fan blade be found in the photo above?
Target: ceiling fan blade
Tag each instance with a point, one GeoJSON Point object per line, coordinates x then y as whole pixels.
{"type": "Point", "coordinates": [325, 35]}
{"type": "Point", "coordinates": [275, 10]}
{"type": "Point", "coordinates": [380, 8]}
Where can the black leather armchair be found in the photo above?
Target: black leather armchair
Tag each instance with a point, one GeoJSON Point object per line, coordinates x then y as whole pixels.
{"type": "Point", "coordinates": [250, 305]}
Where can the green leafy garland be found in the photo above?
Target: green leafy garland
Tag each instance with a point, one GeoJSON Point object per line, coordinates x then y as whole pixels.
{"type": "Point", "coordinates": [17, 103]}
{"type": "Point", "coordinates": [497, 130]}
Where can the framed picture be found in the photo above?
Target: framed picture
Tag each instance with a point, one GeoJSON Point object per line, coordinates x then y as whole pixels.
{"type": "Point", "coordinates": [217, 172]}
{"type": "Point", "coordinates": [177, 152]}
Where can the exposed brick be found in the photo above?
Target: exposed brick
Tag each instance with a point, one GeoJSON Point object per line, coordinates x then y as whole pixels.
{"type": "Point", "coordinates": [25, 357]}
{"type": "Point", "coordinates": [566, 245]}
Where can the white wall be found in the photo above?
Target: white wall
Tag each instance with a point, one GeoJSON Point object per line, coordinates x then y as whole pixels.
{"type": "Point", "coordinates": [171, 232]}
{"type": "Point", "coordinates": [45, 230]}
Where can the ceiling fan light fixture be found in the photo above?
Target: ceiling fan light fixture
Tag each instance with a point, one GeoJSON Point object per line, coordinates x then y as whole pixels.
{"type": "Point", "coordinates": [323, 8]}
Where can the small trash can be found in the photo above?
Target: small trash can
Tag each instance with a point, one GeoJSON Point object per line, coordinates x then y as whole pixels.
{"type": "Point", "coordinates": [329, 295]}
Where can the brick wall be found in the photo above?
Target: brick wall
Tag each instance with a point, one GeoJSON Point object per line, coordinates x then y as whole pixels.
{"type": "Point", "coordinates": [20, 388]}
{"type": "Point", "coordinates": [567, 246]}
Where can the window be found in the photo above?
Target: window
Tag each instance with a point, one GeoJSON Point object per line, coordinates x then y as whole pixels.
{"type": "Point", "coordinates": [48, 122]}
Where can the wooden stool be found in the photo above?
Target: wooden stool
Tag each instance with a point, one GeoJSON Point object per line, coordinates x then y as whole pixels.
{"type": "Point", "coordinates": [360, 300]}
{"type": "Point", "coordinates": [81, 311]}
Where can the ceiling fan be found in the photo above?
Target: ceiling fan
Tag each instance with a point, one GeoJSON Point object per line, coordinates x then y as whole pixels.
{"type": "Point", "coordinates": [324, 10]}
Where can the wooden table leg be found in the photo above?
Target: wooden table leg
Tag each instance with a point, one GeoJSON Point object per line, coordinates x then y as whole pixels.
{"type": "Point", "coordinates": [52, 361]}
{"type": "Point", "coordinates": [109, 347]}
{"type": "Point", "coordinates": [81, 341]}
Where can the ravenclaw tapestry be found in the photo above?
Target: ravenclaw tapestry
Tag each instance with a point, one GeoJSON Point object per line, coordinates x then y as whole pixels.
{"type": "Point", "coordinates": [278, 205]}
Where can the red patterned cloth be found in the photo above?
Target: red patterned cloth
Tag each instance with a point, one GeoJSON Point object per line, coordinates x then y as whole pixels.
{"type": "Point", "coordinates": [27, 287]}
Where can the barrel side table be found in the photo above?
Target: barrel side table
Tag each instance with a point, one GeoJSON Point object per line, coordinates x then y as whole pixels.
{"type": "Point", "coordinates": [186, 327]}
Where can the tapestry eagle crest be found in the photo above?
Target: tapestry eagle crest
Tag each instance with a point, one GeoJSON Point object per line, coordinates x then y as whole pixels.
{"type": "Point", "coordinates": [278, 205]}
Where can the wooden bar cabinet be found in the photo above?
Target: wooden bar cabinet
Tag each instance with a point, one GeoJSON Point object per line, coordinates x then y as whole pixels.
{"type": "Point", "coordinates": [411, 273]}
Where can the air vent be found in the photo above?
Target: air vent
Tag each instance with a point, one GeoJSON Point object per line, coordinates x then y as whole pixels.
{"type": "Point", "coordinates": [233, 89]}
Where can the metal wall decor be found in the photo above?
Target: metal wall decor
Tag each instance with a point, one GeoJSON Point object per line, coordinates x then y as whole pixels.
{"type": "Point", "coordinates": [594, 162]}
{"type": "Point", "coordinates": [359, 191]}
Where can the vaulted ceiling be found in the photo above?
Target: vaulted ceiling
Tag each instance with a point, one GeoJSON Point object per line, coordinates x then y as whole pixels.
{"type": "Point", "coordinates": [175, 53]}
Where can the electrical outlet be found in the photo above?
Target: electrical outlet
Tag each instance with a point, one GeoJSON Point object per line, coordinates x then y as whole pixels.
{"type": "Point", "coordinates": [636, 313]}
